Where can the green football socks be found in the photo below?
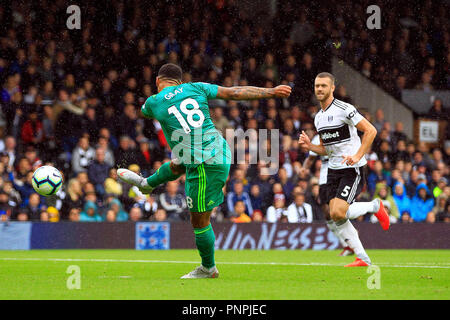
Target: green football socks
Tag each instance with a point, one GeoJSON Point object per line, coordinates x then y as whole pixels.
{"type": "Point", "coordinates": [162, 175]}
{"type": "Point", "coordinates": [205, 241]}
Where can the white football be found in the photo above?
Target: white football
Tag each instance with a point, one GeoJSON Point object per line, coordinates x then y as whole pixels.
{"type": "Point", "coordinates": [47, 180]}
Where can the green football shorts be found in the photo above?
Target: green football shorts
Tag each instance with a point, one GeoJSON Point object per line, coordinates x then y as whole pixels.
{"type": "Point", "coordinates": [204, 185]}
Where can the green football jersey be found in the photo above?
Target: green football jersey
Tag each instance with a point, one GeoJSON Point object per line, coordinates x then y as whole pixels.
{"type": "Point", "coordinates": [183, 113]}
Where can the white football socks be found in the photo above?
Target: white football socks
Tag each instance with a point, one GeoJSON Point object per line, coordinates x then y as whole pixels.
{"type": "Point", "coordinates": [348, 232]}
{"type": "Point", "coordinates": [332, 226]}
{"type": "Point", "coordinates": [357, 209]}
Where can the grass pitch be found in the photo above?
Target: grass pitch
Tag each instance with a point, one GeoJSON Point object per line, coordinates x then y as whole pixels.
{"type": "Point", "coordinates": [290, 275]}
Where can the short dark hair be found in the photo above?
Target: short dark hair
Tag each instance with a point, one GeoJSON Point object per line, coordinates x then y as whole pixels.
{"type": "Point", "coordinates": [327, 75]}
{"type": "Point", "coordinates": [170, 71]}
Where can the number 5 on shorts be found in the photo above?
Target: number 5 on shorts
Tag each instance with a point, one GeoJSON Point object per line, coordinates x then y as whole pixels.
{"type": "Point", "coordinates": [345, 191]}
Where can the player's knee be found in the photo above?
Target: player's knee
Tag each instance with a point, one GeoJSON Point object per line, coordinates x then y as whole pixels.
{"type": "Point", "coordinates": [337, 215]}
{"type": "Point", "coordinates": [200, 220]}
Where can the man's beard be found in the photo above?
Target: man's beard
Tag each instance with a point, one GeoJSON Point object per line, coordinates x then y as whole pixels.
{"type": "Point", "coordinates": [325, 97]}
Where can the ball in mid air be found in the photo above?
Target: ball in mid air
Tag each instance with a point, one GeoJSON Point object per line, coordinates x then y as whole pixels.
{"type": "Point", "coordinates": [47, 180]}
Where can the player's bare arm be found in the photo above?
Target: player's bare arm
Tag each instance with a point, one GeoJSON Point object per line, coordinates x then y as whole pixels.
{"type": "Point", "coordinates": [307, 164]}
{"type": "Point", "coordinates": [369, 135]}
{"type": "Point", "coordinates": [253, 93]}
{"type": "Point", "coordinates": [305, 143]}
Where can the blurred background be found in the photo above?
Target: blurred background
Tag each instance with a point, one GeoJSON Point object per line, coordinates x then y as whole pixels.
{"type": "Point", "coordinates": [71, 98]}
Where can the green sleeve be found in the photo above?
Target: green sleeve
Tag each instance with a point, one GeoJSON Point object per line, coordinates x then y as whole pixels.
{"type": "Point", "coordinates": [209, 89]}
{"type": "Point", "coordinates": [147, 107]}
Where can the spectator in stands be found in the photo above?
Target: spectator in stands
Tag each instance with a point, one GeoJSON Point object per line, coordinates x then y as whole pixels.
{"type": "Point", "coordinates": [238, 215]}
{"type": "Point", "coordinates": [299, 211]}
{"type": "Point", "coordinates": [285, 182]}
{"type": "Point", "coordinates": [444, 215]}
{"type": "Point", "coordinates": [220, 121]}
{"type": "Point", "coordinates": [109, 155]}
{"type": "Point", "coordinates": [44, 217]}
{"type": "Point", "coordinates": [126, 153]}
{"type": "Point", "coordinates": [116, 206]}
{"type": "Point", "coordinates": [378, 175]}
{"type": "Point", "coordinates": [278, 209]}
{"type": "Point", "coordinates": [255, 197]}
{"type": "Point", "coordinates": [34, 207]}
{"type": "Point", "coordinates": [437, 158]}
{"type": "Point", "coordinates": [439, 207]}
{"type": "Point", "coordinates": [240, 176]}
{"type": "Point", "coordinates": [425, 83]}
{"type": "Point", "coordinates": [32, 156]}
{"type": "Point", "coordinates": [173, 202]}
{"type": "Point", "coordinates": [53, 214]}
{"type": "Point", "coordinates": [135, 214]}
{"type": "Point", "coordinates": [3, 216]}
{"type": "Point", "coordinates": [90, 213]}
{"type": "Point", "coordinates": [160, 215]}
{"type": "Point", "coordinates": [23, 186]}
{"type": "Point", "coordinates": [90, 122]}
{"type": "Point", "coordinates": [398, 133]}
{"type": "Point", "coordinates": [112, 184]}
{"type": "Point", "coordinates": [400, 85]}
{"type": "Point", "coordinates": [341, 94]}
{"type": "Point", "coordinates": [145, 157]}
{"type": "Point", "coordinates": [110, 216]}
{"type": "Point", "coordinates": [22, 215]}
{"type": "Point", "coordinates": [402, 201]}
{"type": "Point", "coordinates": [13, 195]}
{"type": "Point", "coordinates": [385, 154]}
{"type": "Point", "coordinates": [82, 156]}
{"type": "Point", "coordinates": [422, 204]}
{"type": "Point", "coordinates": [98, 171]}
{"type": "Point", "coordinates": [32, 131]}
{"type": "Point", "coordinates": [5, 206]}
{"type": "Point", "coordinates": [438, 112]}
{"type": "Point", "coordinates": [383, 192]}
{"type": "Point", "coordinates": [74, 215]}
{"type": "Point", "coordinates": [73, 198]}
{"type": "Point", "coordinates": [379, 120]}
{"type": "Point", "coordinates": [128, 121]}
{"type": "Point", "coordinates": [302, 31]}
{"type": "Point", "coordinates": [400, 153]}
{"type": "Point", "coordinates": [10, 150]}
{"type": "Point", "coordinates": [437, 190]}
{"type": "Point", "coordinates": [238, 194]}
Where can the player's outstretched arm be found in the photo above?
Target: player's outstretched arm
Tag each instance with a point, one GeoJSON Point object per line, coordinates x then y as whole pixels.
{"type": "Point", "coordinates": [252, 93]}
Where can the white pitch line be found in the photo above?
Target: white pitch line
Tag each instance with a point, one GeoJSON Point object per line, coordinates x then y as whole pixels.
{"type": "Point", "coordinates": [414, 265]}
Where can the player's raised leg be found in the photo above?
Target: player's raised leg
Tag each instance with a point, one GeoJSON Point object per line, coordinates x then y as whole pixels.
{"type": "Point", "coordinates": [338, 210]}
{"type": "Point", "coordinates": [375, 206]}
{"type": "Point", "coordinates": [168, 171]}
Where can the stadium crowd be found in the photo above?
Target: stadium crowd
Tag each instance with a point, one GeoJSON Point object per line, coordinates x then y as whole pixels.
{"type": "Point", "coordinates": [71, 99]}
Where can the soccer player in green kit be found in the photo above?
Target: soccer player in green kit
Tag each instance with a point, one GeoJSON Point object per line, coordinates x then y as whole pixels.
{"type": "Point", "coordinates": [198, 150]}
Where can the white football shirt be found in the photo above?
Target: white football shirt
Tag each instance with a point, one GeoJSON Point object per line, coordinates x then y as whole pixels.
{"type": "Point", "coordinates": [336, 126]}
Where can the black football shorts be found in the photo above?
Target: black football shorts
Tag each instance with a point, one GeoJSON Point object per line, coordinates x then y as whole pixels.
{"type": "Point", "coordinates": [345, 184]}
